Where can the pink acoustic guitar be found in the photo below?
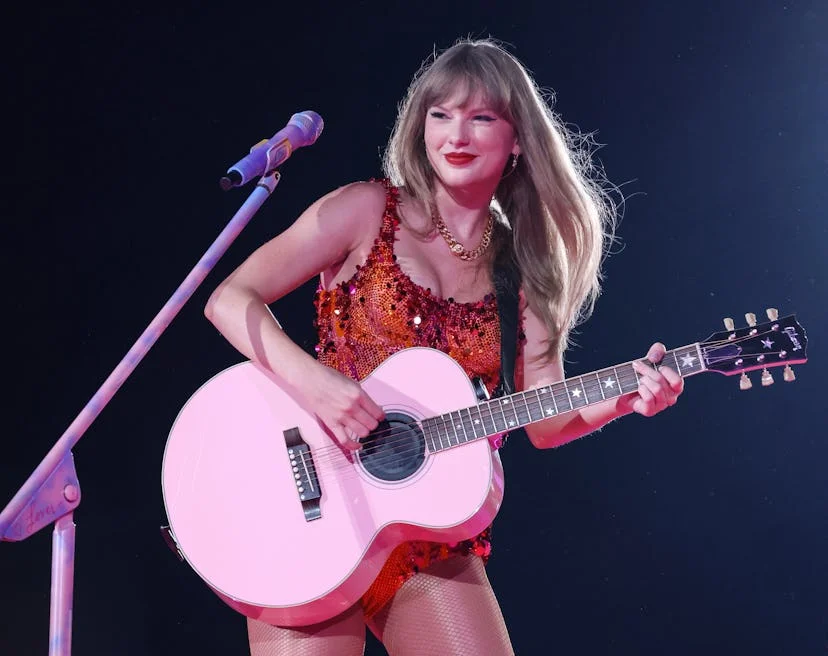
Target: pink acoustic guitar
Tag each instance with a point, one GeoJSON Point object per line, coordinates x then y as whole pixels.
{"type": "Point", "coordinates": [286, 527]}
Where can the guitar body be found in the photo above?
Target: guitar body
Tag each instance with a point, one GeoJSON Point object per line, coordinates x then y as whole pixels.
{"type": "Point", "coordinates": [231, 490]}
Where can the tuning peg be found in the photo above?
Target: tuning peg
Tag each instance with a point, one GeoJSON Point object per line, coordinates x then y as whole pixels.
{"type": "Point", "coordinates": [728, 322]}
{"type": "Point", "coordinates": [788, 374]}
{"type": "Point", "coordinates": [767, 379]}
{"type": "Point", "coordinates": [751, 319]}
{"type": "Point", "coordinates": [744, 382]}
{"type": "Point", "coordinates": [773, 314]}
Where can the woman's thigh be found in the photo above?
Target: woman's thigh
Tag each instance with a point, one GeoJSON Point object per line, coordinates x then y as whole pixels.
{"type": "Point", "coordinates": [343, 635]}
{"type": "Point", "coordinates": [448, 608]}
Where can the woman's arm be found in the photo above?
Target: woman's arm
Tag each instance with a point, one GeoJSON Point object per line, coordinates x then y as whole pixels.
{"type": "Point", "coordinates": [322, 238]}
{"type": "Point", "coordinates": [657, 389]}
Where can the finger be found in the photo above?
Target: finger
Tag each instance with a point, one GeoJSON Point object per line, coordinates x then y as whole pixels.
{"type": "Point", "coordinates": [355, 429]}
{"type": "Point", "coordinates": [645, 399]}
{"type": "Point", "coordinates": [368, 404]}
{"type": "Point", "coordinates": [364, 421]}
{"type": "Point", "coordinates": [656, 353]}
{"type": "Point", "coordinates": [655, 388]}
{"type": "Point", "coordinates": [645, 370]}
{"type": "Point", "coordinates": [675, 381]}
{"type": "Point", "coordinates": [344, 440]}
{"type": "Point", "coordinates": [349, 435]}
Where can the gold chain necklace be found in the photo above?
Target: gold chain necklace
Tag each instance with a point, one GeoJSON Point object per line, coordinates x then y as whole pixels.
{"type": "Point", "coordinates": [455, 246]}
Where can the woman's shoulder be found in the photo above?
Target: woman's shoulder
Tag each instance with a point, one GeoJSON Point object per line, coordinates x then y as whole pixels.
{"type": "Point", "coordinates": [356, 204]}
{"type": "Point", "coordinates": [361, 195]}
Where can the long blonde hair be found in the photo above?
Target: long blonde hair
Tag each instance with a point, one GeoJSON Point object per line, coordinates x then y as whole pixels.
{"type": "Point", "coordinates": [555, 202]}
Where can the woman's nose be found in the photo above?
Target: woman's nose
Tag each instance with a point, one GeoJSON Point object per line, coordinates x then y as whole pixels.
{"type": "Point", "coordinates": [458, 133]}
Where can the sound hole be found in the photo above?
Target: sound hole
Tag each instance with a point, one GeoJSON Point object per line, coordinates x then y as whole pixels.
{"type": "Point", "coordinates": [395, 449]}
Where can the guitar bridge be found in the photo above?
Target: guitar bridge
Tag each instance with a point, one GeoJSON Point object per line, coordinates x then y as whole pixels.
{"type": "Point", "coordinates": [304, 474]}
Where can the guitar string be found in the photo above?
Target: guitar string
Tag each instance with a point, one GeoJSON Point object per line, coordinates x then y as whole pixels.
{"type": "Point", "coordinates": [494, 406]}
{"type": "Point", "coordinates": [335, 450]}
{"type": "Point", "coordinates": [536, 406]}
{"type": "Point", "coordinates": [561, 386]}
{"type": "Point", "coordinates": [345, 466]}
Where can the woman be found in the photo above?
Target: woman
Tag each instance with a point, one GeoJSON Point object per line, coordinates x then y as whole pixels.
{"type": "Point", "coordinates": [478, 167]}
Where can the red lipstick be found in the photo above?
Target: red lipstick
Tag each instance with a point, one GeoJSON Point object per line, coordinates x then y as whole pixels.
{"type": "Point", "coordinates": [458, 159]}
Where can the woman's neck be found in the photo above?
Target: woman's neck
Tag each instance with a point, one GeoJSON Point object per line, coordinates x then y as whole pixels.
{"type": "Point", "coordinates": [465, 210]}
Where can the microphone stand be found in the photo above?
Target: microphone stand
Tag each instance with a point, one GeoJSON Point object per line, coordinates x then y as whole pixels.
{"type": "Point", "coordinates": [52, 491]}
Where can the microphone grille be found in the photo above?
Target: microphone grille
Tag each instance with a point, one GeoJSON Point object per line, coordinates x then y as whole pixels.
{"type": "Point", "coordinates": [310, 124]}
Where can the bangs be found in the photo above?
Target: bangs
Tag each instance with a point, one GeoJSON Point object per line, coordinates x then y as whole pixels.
{"type": "Point", "coordinates": [464, 77]}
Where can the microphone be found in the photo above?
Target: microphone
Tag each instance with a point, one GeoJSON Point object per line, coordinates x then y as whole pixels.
{"type": "Point", "coordinates": [303, 129]}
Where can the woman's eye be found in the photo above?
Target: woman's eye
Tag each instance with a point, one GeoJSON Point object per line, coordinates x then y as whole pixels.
{"type": "Point", "coordinates": [484, 117]}
{"type": "Point", "coordinates": [436, 114]}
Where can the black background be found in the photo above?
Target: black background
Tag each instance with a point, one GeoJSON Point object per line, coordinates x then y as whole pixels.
{"type": "Point", "coordinates": [701, 530]}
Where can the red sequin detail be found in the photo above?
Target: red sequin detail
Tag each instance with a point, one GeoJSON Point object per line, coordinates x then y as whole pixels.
{"type": "Point", "coordinates": [380, 311]}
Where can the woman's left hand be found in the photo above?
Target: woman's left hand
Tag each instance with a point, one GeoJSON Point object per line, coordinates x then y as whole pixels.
{"type": "Point", "coordinates": [657, 388]}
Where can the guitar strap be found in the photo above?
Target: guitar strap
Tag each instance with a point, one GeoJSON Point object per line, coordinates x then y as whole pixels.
{"type": "Point", "coordinates": [507, 285]}
{"type": "Point", "coordinates": [506, 277]}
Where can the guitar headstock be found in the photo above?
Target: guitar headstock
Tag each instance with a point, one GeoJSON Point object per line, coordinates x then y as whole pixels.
{"type": "Point", "coordinates": [775, 343]}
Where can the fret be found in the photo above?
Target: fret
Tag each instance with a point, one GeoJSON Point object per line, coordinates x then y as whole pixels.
{"type": "Point", "coordinates": [700, 356]}
{"type": "Point", "coordinates": [457, 426]}
{"type": "Point", "coordinates": [524, 416]}
{"type": "Point", "coordinates": [630, 383]}
{"type": "Point", "coordinates": [445, 435]}
{"type": "Point", "coordinates": [507, 402]}
{"type": "Point", "coordinates": [576, 391]}
{"type": "Point", "coordinates": [428, 432]}
{"type": "Point", "coordinates": [468, 424]}
{"type": "Point", "coordinates": [503, 414]}
{"type": "Point", "coordinates": [600, 387]}
{"type": "Point", "coordinates": [610, 385]}
{"type": "Point", "coordinates": [617, 380]}
{"type": "Point", "coordinates": [551, 394]}
{"type": "Point", "coordinates": [459, 429]}
{"type": "Point", "coordinates": [560, 392]}
{"type": "Point", "coordinates": [541, 413]}
{"type": "Point", "coordinates": [546, 409]}
{"type": "Point", "coordinates": [475, 422]}
{"type": "Point", "coordinates": [489, 425]}
{"type": "Point", "coordinates": [690, 360]}
{"type": "Point", "coordinates": [592, 388]}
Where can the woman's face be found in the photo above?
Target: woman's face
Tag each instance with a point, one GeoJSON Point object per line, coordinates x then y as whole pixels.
{"type": "Point", "coordinates": [467, 142]}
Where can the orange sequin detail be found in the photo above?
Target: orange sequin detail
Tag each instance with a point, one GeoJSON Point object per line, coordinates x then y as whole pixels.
{"type": "Point", "coordinates": [379, 311]}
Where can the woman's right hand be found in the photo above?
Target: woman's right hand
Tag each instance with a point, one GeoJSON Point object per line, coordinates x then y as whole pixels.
{"type": "Point", "coordinates": [341, 405]}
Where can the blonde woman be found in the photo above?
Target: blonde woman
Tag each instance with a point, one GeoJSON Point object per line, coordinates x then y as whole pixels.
{"type": "Point", "coordinates": [478, 166]}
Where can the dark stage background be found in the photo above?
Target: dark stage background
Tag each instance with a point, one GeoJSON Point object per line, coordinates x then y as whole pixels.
{"type": "Point", "coordinates": [702, 530]}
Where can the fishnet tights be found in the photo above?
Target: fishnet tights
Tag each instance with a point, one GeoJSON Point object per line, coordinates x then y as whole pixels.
{"type": "Point", "coordinates": [448, 609]}
{"type": "Point", "coordinates": [344, 635]}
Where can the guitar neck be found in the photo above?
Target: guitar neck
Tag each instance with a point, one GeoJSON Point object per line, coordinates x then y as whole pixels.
{"type": "Point", "coordinates": [506, 413]}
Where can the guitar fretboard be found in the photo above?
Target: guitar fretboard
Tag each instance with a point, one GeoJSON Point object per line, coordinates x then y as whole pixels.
{"type": "Point", "coordinates": [523, 408]}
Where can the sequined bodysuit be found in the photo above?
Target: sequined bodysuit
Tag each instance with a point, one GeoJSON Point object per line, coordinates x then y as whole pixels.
{"type": "Point", "coordinates": [379, 311]}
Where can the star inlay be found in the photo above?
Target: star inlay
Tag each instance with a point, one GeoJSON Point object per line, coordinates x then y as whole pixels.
{"type": "Point", "coordinates": [767, 343]}
{"type": "Point", "coordinates": [609, 383]}
{"type": "Point", "coordinates": [687, 360]}
{"type": "Point", "coordinates": [576, 393]}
